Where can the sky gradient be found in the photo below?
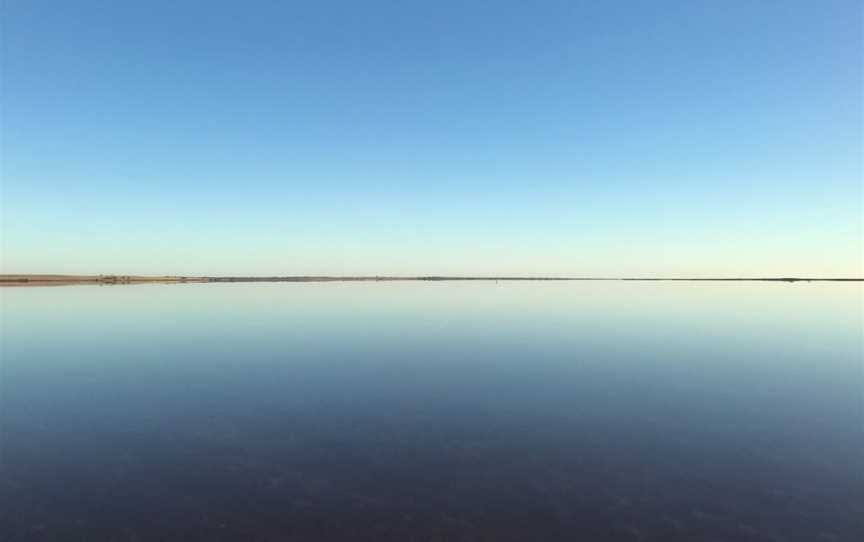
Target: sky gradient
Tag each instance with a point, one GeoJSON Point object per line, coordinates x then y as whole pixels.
{"type": "Point", "coordinates": [697, 138]}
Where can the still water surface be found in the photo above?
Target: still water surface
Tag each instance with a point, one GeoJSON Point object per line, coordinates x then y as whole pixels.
{"type": "Point", "coordinates": [432, 411]}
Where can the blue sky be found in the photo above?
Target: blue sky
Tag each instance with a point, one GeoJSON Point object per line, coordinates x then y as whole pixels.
{"type": "Point", "coordinates": [398, 137]}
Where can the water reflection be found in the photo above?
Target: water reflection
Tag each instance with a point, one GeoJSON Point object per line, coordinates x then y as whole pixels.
{"type": "Point", "coordinates": [433, 411]}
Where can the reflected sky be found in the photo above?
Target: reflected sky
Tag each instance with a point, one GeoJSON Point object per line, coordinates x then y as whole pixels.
{"type": "Point", "coordinates": [380, 411]}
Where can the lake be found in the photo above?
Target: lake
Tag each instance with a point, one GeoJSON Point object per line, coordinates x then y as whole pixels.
{"type": "Point", "coordinates": [440, 411]}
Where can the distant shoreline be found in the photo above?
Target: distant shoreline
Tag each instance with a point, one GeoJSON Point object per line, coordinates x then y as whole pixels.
{"type": "Point", "coordinates": [62, 280]}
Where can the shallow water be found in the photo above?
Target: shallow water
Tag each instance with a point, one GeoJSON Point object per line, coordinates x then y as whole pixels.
{"type": "Point", "coordinates": [432, 411]}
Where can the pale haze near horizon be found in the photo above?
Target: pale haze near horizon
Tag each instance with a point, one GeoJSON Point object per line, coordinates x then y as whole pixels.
{"type": "Point", "coordinates": [400, 138]}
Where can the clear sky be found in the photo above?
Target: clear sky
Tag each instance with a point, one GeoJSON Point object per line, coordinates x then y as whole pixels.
{"type": "Point", "coordinates": [397, 137]}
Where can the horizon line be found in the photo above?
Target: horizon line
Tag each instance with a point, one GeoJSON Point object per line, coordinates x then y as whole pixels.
{"type": "Point", "coordinates": [18, 279]}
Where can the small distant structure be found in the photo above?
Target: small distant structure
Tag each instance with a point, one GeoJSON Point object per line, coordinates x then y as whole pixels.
{"type": "Point", "coordinates": [115, 279]}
